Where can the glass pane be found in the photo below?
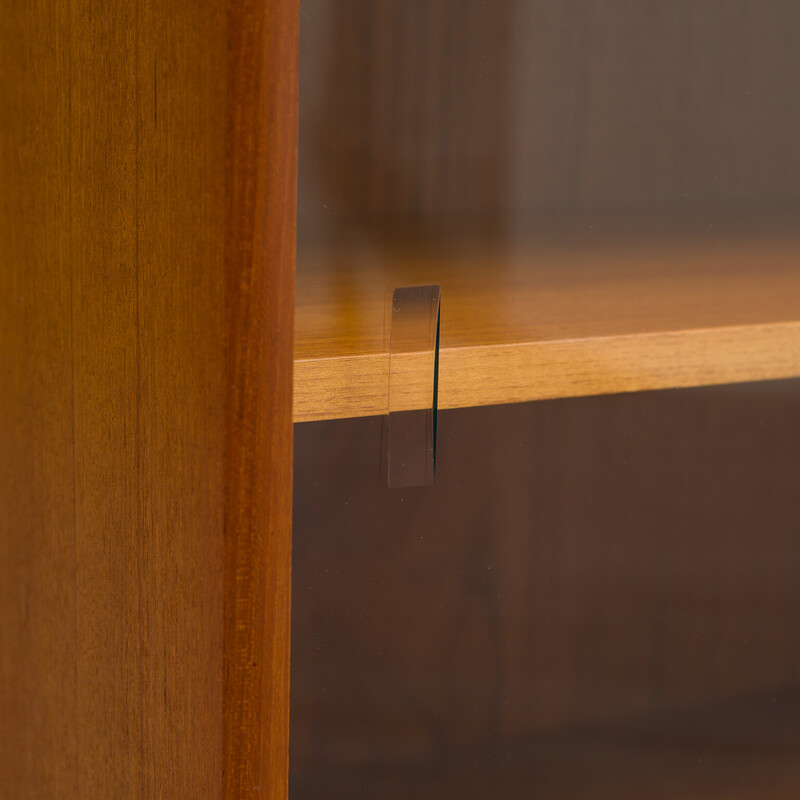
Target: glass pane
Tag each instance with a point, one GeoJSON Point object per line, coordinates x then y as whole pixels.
{"type": "Point", "coordinates": [525, 118]}
{"type": "Point", "coordinates": [597, 598]}
{"type": "Point", "coordinates": [598, 595]}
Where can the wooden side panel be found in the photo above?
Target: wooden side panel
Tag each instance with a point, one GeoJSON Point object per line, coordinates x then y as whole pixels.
{"type": "Point", "coordinates": [147, 181]}
{"type": "Point", "coordinates": [181, 178]}
{"type": "Point", "coordinates": [111, 692]}
{"type": "Point", "coordinates": [580, 565]}
{"type": "Point", "coordinates": [38, 737]}
{"type": "Point", "coordinates": [260, 268]}
{"type": "Point", "coordinates": [133, 211]}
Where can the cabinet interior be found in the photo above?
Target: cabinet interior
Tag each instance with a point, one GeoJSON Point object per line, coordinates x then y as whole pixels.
{"type": "Point", "coordinates": [598, 596]}
{"type": "Point", "coordinates": [566, 172]}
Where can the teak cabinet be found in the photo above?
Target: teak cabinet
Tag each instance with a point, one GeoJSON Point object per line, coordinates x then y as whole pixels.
{"type": "Point", "coordinates": [598, 595]}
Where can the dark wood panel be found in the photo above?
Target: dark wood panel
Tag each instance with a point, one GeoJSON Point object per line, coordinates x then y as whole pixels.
{"type": "Point", "coordinates": [38, 684]}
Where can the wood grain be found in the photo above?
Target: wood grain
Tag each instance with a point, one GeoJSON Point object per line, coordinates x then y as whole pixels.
{"type": "Point", "coordinates": [260, 250]}
{"type": "Point", "coordinates": [38, 625]}
{"type": "Point", "coordinates": [146, 211]}
{"type": "Point", "coordinates": [519, 118]}
{"type": "Point", "coordinates": [565, 319]}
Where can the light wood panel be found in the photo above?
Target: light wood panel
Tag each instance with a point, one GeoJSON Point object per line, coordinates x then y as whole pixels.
{"type": "Point", "coordinates": [562, 319]}
{"type": "Point", "coordinates": [146, 259]}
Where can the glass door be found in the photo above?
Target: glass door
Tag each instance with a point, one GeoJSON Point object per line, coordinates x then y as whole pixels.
{"type": "Point", "coordinates": [552, 250]}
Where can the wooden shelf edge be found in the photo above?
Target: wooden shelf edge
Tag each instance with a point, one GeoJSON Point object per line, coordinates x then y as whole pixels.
{"type": "Point", "coordinates": [357, 386]}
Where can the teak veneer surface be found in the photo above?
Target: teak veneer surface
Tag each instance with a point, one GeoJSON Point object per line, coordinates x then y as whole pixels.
{"type": "Point", "coordinates": [260, 252]}
{"type": "Point", "coordinates": [147, 157]}
{"type": "Point", "coordinates": [557, 320]}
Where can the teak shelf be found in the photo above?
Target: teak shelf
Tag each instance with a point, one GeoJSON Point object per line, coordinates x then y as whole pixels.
{"type": "Point", "coordinates": [557, 320]}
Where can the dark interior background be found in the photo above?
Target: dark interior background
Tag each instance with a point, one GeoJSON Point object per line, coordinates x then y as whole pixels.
{"type": "Point", "coordinates": [515, 115]}
{"type": "Point", "coordinates": [589, 562]}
